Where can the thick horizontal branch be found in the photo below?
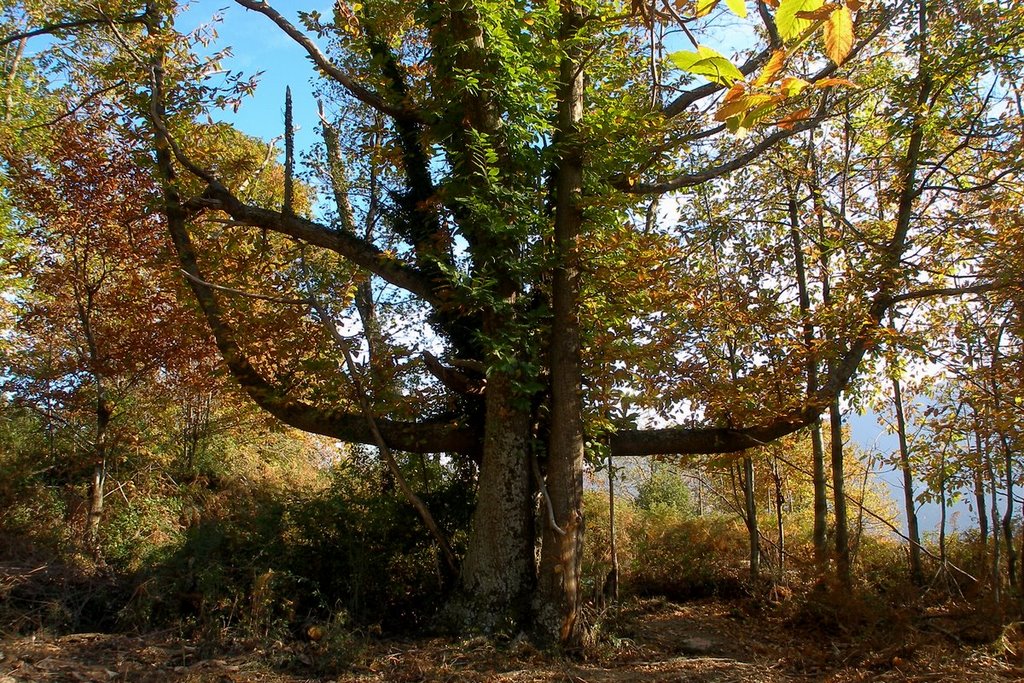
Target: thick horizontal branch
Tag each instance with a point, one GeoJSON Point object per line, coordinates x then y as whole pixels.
{"type": "Point", "coordinates": [420, 437]}
{"type": "Point", "coordinates": [360, 252]}
{"type": "Point", "coordinates": [707, 440]}
{"type": "Point", "coordinates": [457, 381]}
{"type": "Point", "coordinates": [359, 91]}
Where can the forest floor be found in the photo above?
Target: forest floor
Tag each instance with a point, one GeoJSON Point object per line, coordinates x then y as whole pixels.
{"type": "Point", "coordinates": [711, 640]}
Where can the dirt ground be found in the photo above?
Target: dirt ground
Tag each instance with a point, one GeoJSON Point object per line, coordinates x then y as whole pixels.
{"type": "Point", "coordinates": [644, 640]}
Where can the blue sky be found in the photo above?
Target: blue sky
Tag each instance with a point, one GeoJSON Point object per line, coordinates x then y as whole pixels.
{"type": "Point", "coordinates": [259, 46]}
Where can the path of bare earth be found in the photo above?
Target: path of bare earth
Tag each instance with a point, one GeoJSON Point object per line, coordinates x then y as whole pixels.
{"type": "Point", "coordinates": [646, 640]}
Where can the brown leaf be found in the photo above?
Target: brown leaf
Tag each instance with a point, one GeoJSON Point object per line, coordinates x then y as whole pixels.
{"type": "Point", "coordinates": [791, 119]}
{"type": "Point", "coordinates": [820, 14]}
{"type": "Point", "coordinates": [772, 68]}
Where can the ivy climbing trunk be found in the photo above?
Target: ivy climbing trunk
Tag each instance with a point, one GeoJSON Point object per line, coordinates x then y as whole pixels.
{"type": "Point", "coordinates": [558, 602]}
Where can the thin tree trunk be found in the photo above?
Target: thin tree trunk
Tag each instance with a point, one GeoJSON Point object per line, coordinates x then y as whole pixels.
{"type": "Point", "coordinates": [942, 510]}
{"type": "Point", "coordinates": [979, 487]}
{"type": "Point", "coordinates": [780, 501]}
{"type": "Point", "coordinates": [820, 532]}
{"type": "Point", "coordinates": [839, 495]}
{"type": "Point", "coordinates": [909, 501]}
{"type": "Point", "coordinates": [97, 483]}
{"type": "Point", "coordinates": [994, 501]}
{"type": "Point", "coordinates": [611, 584]}
{"type": "Point", "coordinates": [1011, 556]}
{"type": "Point", "coordinates": [750, 516]}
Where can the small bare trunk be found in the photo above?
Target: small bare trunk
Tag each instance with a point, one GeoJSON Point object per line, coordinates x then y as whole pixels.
{"type": "Point", "coordinates": [611, 584]}
{"type": "Point", "coordinates": [909, 502]}
{"type": "Point", "coordinates": [98, 481]}
{"type": "Point", "coordinates": [780, 502]}
{"type": "Point", "coordinates": [750, 517]}
{"type": "Point", "coordinates": [839, 495]}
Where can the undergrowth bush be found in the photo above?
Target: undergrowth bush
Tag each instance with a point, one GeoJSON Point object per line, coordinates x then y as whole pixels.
{"type": "Point", "coordinates": [683, 557]}
{"type": "Point", "coordinates": [264, 560]}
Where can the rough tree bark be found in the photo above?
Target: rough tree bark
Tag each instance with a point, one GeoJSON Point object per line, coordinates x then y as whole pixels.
{"type": "Point", "coordinates": [559, 598]}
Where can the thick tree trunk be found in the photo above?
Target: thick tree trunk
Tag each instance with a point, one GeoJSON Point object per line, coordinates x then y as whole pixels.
{"type": "Point", "coordinates": [909, 502]}
{"type": "Point", "coordinates": [558, 600]}
{"type": "Point", "coordinates": [498, 572]}
{"type": "Point", "coordinates": [842, 534]}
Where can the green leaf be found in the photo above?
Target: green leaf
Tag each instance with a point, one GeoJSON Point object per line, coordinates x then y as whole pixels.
{"type": "Point", "coordinates": [738, 7]}
{"type": "Point", "coordinates": [790, 26]}
{"type": "Point", "coordinates": [708, 63]}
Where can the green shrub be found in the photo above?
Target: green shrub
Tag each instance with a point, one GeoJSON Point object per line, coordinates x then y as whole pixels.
{"type": "Point", "coordinates": [664, 489]}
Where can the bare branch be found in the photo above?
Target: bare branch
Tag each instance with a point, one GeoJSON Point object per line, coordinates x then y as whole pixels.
{"type": "Point", "coordinates": [951, 291]}
{"type": "Point", "coordinates": [52, 29]}
{"type": "Point", "coordinates": [247, 295]}
{"type": "Point", "coordinates": [360, 252]}
{"type": "Point", "coordinates": [78, 107]}
{"type": "Point", "coordinates": [381, 443]}
{"type": "Point", "coordinates": [738, 162]}
{"type": "Point", "coordinates": [318, 58]}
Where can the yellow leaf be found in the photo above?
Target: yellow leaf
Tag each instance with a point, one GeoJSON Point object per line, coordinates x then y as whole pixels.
{"type": "Point", "coordinates": [793, 86]}
{"type": "Point", "coordinates": [704, 7]}
{"type": "Point", "coordinates": [839, 35]}
{"type": "Point", "coordinates": [772, 68]}
{"type": "Point", "coordinates": [741, 106]}
{"type": "Point", "coordinates": [727, 111]}
{"type": "Point", "coordinates": [738, 7]}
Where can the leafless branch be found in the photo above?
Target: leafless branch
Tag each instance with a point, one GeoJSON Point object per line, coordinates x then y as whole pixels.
{"type": "Point", "coordinates": [318, 58]}
{"type": "Point", "coordinates": [247, 295]}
